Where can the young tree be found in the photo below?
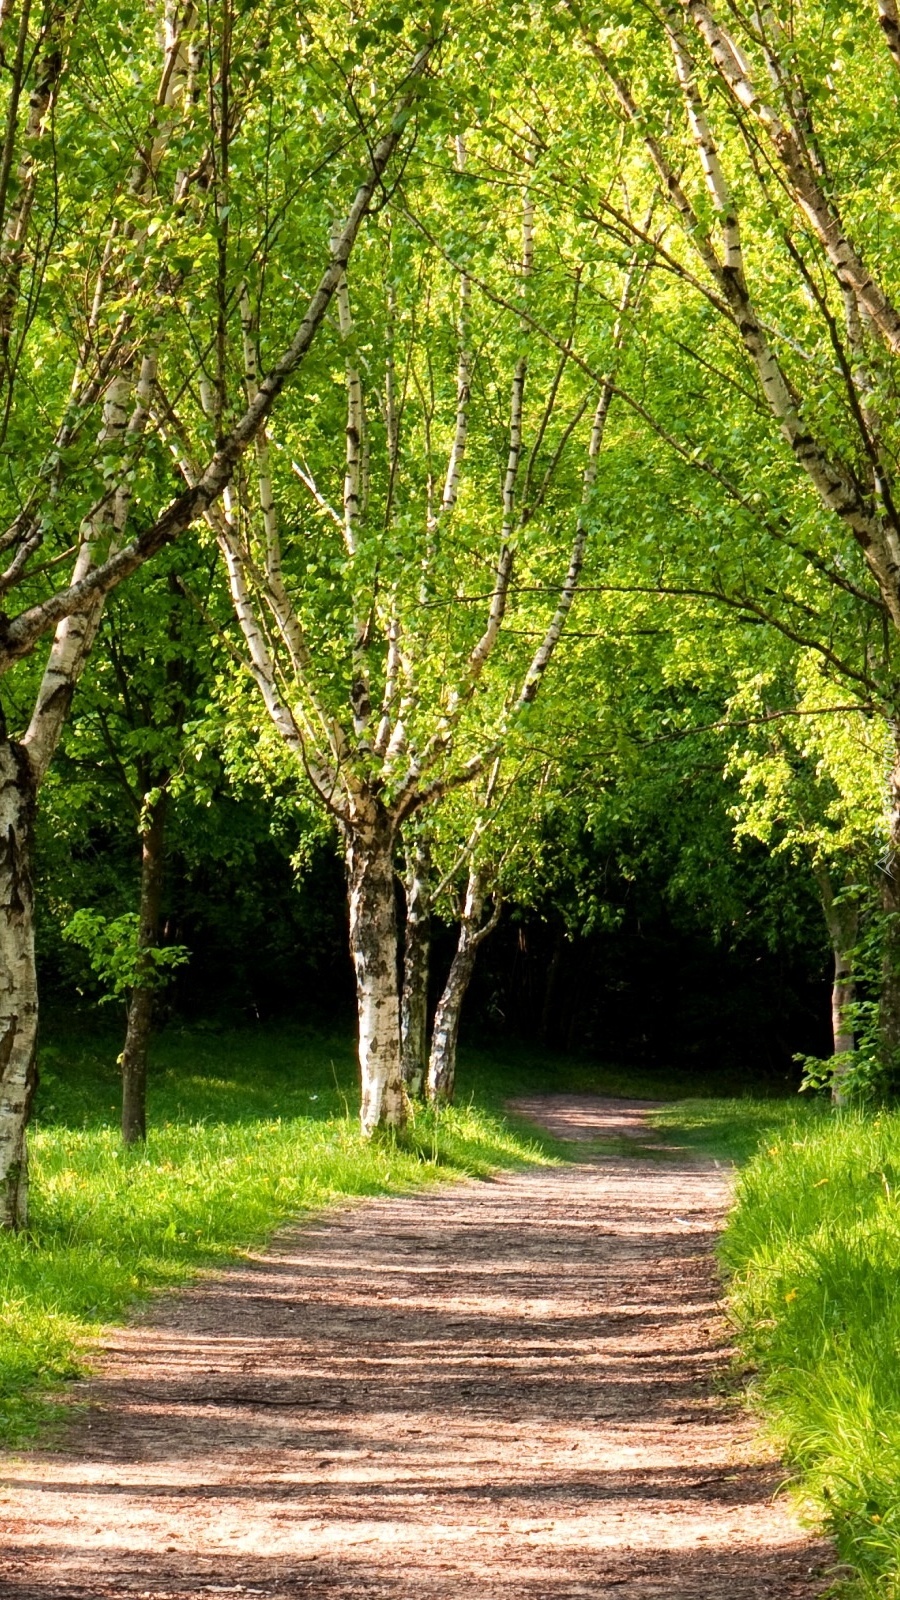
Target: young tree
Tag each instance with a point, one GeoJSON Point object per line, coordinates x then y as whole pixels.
{"type": "Point", "coordinates": [386, 693]}
{"type": "Point", "coordinates": [812, 781]}
{"type": "Point", "coordinates": [781, 252]}
{"type": "Point", "coordinates": [115, 239]}
{"type": "Point", "coordinates": [150, 675]}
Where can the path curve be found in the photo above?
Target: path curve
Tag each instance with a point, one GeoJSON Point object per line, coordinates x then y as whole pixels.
{"type": "Point", "coordinates": [500, 1390]}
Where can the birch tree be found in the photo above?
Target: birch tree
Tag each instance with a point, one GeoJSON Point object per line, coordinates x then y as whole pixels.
{"type": "Point", "coordinates": [118, 217]}
{"type": "Point", "coordinates": [396, 684]}
{"type": "Point", "coordinates": [781, 239]}
{"type": "Point", "coordinates": [811, 785]}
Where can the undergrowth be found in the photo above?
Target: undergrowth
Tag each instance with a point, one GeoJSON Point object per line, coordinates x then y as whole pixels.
{"type": "Point", "coordinates": [246, 1131]}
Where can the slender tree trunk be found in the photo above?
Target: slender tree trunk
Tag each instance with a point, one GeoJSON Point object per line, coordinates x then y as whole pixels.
{"type": "Point", "coordinates": [373, 947]}
{"type": "Point", "coordinates": [843, 994]}
{"type": "Point", "coordinates": [416, 952]}
{"type": "Point", "coordinates": [18, 980]}
{"type": "Point", "coordinates": [445, 1034]}
{"type": "Point", "coordinates": [842, 921]}
{"type": "Point", "coordinates": [143, 995]}
{"type": "Point", "coordinates": [889, 1003]}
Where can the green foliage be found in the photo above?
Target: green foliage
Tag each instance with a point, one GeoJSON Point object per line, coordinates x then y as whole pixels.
{"type": "Point", "coordinates": [811, 1254]}
{"type": "Point", "coordinates": [117, 960]}
{"type": "Point", "coordinates": [869, 1073]}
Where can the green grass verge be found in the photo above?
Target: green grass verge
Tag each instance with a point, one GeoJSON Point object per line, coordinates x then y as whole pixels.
{"type": "Point", "coordinates": [733, 1130]}
{"type": "Point", "coordinates": [247, 1130]}
{"type": "Point", "coordinates": [812, 1254]}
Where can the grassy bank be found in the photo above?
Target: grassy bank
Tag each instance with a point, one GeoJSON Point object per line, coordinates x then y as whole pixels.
{"type": "Point", "coordinates": [812, 1254]}
{"type": "Point", "coordinates": [247, 1130]}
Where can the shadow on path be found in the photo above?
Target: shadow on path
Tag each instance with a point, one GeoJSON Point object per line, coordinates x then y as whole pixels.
{"type": "Point", "coordinates": [505, 1390]}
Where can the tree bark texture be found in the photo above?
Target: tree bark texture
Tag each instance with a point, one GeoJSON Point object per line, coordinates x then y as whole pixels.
{"type": "Point", "coordinates": [445, 1033]}
{"type": "Point", "coordinates": [842, 921]}
{"type": "Point", "coordinates": [373, 947]}
{"type": "Point", "coordinates": [889, 1002]}
{"type": "Point", "coordinates": [18, 979]}
{"type": "Point", "coordinates": [143, 995]}
{"type": "Point", "coordinates": [416, 952]}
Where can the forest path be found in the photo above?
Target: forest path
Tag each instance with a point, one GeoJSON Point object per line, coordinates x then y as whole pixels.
{"type": "Point", "coordinates": [497, 1390]}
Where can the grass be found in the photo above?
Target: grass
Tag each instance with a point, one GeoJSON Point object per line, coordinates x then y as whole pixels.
{"type": "Point", "coordinates": [812, 1254]}
{"type": "Point", "coordinates": [247, 1130]}
{"type": "Point", "coordinates": [733, 1130]}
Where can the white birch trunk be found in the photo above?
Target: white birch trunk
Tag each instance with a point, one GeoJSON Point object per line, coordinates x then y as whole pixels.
{"type": "Point", "coordinates": [837, 490]}
{"type": "Point", "coordinates": [373, 947]}
{"type": "Point", "coordinates": [801, 178]}
{"type": "Point", "coordinates": [445, 1034]}
{"type": "Point", "coordinates": [842, 922]}
{"type": "Point", "coordinates": [889, 1000]}
{"type": "Point", "coordinates": [416, 952]}
{"type": "Point", "coordinates": [18, 980]}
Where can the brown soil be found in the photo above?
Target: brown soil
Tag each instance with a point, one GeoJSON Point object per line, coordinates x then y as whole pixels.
{"type": "Point", "coordinates": [506, 1390]}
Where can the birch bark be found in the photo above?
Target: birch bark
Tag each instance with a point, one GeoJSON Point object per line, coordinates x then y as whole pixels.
{"type": "Point", "coordinates": [18, 982]}
{"type": "Point", "coordinates": [889, 19]}
{"type": "Point", "coordinates": [124, 378]}
{"type": "Point", "coordinates": [473, 931]}
{"type": "Point", "coordinates": [416, 953]}
{"type": "Point", "coordinates": [373, 948]}
{"type": "Point", "coordinates": [142, 998]}
{"type": "Point", "coordinates": [26, 764]}
{"type": "Point", "coordinates": [23, 631]}
{"type": "Point", "coordinates": [873, 526]}
{"type": "Point", "coordinates": [889, 1004]}
{"type": "Point", "coordinates": [842, 922]}
{"type": "Point", "coordinates": [809, 193]}
{"type": "Point", "coordinates": [24, 767]}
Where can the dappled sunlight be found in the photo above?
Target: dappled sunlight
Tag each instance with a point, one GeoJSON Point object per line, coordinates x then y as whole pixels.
{"type": "Point", "coordinates": [507, 1387]}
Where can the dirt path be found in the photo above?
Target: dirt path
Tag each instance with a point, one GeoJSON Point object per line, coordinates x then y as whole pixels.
{"type": "Point", "coordinates": [494, 1391]}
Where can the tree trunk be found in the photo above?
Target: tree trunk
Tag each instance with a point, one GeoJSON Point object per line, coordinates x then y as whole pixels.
{"type": "Point", "coordinates": [373, 947]}
{"type": "Point", "coordinates": [416, 952]}
{"type": "Point", "coordinates": [143, 995]}
{"type": "Point", "coordinates": [889, 1002]}
{"type": "Point", "coordinates": [842, 921]}
{"type": "Point", "coordinates": [18, 980]}
{"type": "Point", "coordinates": [445, 1034]}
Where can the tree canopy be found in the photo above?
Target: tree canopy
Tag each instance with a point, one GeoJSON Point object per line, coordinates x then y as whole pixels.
{"type": "Point", "coordinates": [464, 442]}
